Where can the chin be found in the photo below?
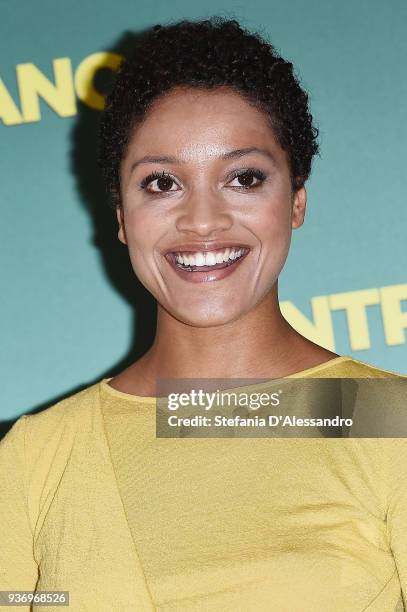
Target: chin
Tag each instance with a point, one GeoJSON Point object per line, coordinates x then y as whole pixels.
{"type": "Point", "coordinates": [206, 317]}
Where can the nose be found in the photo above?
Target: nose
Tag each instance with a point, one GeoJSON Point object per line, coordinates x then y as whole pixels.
{"type": "Point", "coordinates": [204, 213]}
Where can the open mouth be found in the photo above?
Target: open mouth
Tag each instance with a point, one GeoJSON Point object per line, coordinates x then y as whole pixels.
{"type": "Point", "coordinates": [208, 260]}
{"type": "Point", "coordinates": [206, 265]}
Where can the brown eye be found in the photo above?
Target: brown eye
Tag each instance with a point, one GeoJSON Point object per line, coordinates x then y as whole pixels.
{"type": "Point", "coordinates": [165, 183]}
{"type": "Point", "coordinates": [248, 178]}
{"type": "Point", "coordinates": [159, 183]}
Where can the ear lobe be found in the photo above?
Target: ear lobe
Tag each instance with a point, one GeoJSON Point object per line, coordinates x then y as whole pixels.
{"type": "Point", "coordinates": [120, 219]}
{"type": "Point", "coordinates": [299, 206]}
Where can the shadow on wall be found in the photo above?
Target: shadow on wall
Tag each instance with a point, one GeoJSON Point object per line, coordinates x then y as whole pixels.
{"type": "Point", "coordinates": [92, 194]}
{"type": "Point", "coordinates": [114, 255]}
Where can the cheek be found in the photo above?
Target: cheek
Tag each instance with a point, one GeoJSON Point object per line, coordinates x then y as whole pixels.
{"type": "Point", "coordinates": [272, 222]}
{"type": "Point", "coordinates": [144, 225]}
{"type": "Point", "coordinates": [273, 230]}
{"type": "Point", "coordinates": [144, 230]}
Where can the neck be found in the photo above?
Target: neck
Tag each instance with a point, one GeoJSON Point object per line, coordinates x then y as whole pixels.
{"type": "Point", "coordinates": [259, 344]}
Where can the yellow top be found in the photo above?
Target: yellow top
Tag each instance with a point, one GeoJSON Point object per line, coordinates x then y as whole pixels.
{"type": "Point", "coordinates": [91, 502]}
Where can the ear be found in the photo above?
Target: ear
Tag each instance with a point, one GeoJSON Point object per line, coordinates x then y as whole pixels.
{"type": "Point", "coordinates": [299, 206]}
{"type": "Point", "coordinates": [120, 219]}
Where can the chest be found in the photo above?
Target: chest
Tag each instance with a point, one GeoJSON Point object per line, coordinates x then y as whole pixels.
{"type": "Point", "coordinates": [177, 524]}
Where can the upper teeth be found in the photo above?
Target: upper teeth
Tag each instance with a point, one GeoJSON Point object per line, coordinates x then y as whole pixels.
{"type": "Point", "coordinates": [208, 258]}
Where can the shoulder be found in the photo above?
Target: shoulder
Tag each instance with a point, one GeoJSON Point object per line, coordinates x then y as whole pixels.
{"type": "Point", "coordinates": [349, 367]}
{"type": "Point", "coordinates": [73, 407]}
{"type": "Point", "coordinates": [54, 426]}
{"type": "Point", "coordinates": [38, 448]}
{"type": "Point", "coordinates": [377, 399]}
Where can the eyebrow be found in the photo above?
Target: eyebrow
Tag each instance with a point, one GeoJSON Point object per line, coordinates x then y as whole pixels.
{"type": "Point", "coordinates": [235, 154]}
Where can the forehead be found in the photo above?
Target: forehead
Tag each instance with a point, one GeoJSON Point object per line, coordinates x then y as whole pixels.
{"type": "Point", "coordinates": [197, 123]}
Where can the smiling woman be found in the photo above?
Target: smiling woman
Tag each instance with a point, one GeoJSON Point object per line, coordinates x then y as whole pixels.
{"type": "Point", "coordinates": [203, 187]}
{"type": "Point", "coordinates": [206, 145]}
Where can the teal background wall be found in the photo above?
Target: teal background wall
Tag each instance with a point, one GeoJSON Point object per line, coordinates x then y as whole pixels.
{"type": "Point", "coordinates": [68, 319]}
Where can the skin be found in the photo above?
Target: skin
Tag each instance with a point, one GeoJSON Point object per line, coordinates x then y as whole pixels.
{"type": "Point", "coordinates": [200, 324]}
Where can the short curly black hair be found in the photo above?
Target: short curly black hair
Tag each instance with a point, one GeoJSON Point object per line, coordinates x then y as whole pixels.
{"type": "Point", "coordinates": [207, 54]}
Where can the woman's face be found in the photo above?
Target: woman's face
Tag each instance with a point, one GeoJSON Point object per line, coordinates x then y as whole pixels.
{"type": "Point", "coordinates": [204, 173]}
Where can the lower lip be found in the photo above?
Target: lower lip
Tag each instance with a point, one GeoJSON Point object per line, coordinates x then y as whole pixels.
{"type": "Point", "coordinates": [204, 276]}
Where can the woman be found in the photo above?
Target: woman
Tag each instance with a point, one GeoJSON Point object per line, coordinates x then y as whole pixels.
{"type": "Point", "coordinates": [206, 144]}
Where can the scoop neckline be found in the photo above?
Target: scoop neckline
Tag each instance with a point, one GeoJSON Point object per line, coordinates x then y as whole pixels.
{"type": "Point", "coordinates": [146, 399]}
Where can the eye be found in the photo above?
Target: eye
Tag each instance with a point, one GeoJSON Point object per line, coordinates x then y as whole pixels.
{"type": "Point", "coordinates": [159, 182]}
{"type": "Point", "coordinates": [247, 178]}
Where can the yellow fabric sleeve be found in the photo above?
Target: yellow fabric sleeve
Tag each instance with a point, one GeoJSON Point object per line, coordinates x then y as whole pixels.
{"type": "Point", "coordinates": [396, 519]}
{"type": "Point", "coordinates": [18, 568]}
